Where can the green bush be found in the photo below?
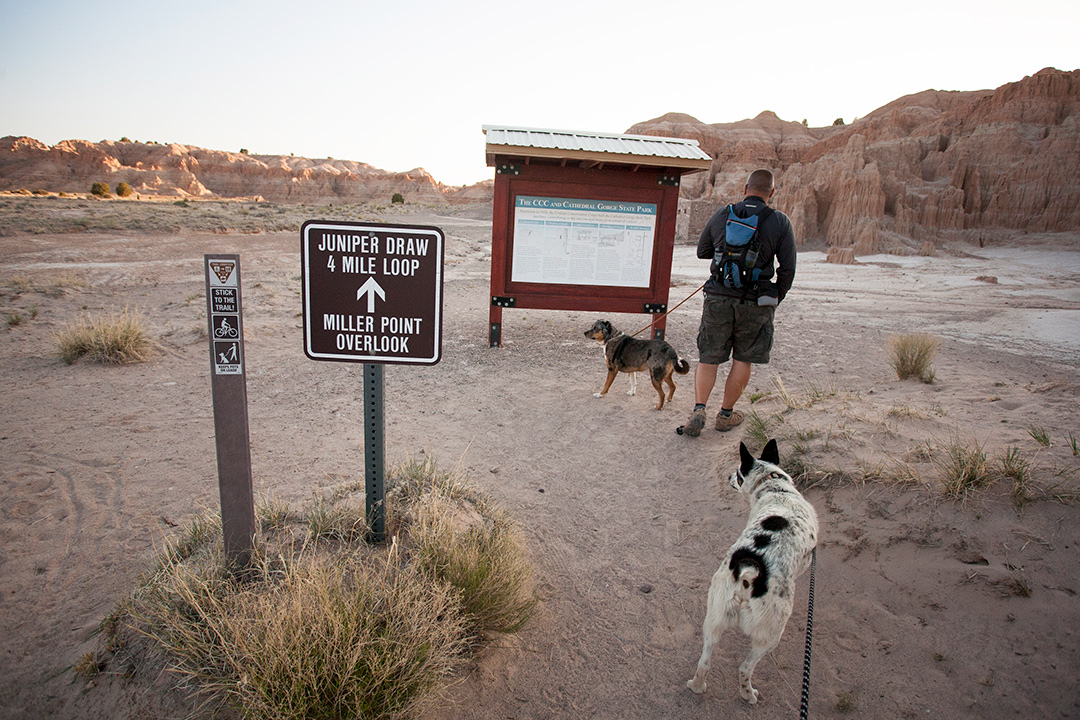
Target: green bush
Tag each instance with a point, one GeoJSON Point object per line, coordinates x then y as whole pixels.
{"type": "Point", "coordinates": [100, 189]}
{"type": "Point", "coordinates": [123, 189]}
{"type": "Point", "coordinates": [397, 199]}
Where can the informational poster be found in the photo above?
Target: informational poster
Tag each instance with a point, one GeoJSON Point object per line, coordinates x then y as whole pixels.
{"type": "Point", "coordinates": [573, 241]}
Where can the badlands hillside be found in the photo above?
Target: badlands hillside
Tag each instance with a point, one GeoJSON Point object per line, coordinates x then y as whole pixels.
{"type": "Point", "coordinates": [152, 168]}
{"type": "Point", "coordinates": [980, 166]}
{"type": "Point", "coordinates": [975, 165]}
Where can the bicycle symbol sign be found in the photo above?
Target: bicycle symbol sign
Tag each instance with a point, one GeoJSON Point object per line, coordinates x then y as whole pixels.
{"type": "Point", "coordinates": [223, 328]}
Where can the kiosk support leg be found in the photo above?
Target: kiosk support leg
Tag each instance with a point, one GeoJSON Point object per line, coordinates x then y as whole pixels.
{"type": "Point", "coordinates": [495, 327]}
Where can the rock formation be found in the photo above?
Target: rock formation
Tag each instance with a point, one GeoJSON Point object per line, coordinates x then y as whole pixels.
{"type": "Point", "coordinates": [153, 169]}
{"type": "Point", "coordinates": [914, 173]}
{"type": "Point", "coordinates": [930, 165]}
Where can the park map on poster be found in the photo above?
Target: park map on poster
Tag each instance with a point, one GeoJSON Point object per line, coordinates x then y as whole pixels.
{"type": "Point", "coordinates": [569, 241]}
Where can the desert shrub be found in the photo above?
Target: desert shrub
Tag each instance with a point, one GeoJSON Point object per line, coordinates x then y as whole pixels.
{"type": "Point", "coordinates": [100, 189]}
{"type": "Point", "coordinates": [397, 199]}
{"type": "Point", "coordinates": [110, 339]}
{"type": "Point", "coordinates": [314, 637]}
{"type": "Point", "coordinates": [40, 191]}
{"type": "Point", "coordinates": [1017, 468]}
{"type": "Point", "coordinates": [243, 151]}
{"type": "Point", "coordinates": [838, 121]}
{"type": "Point", "coordinates": [962, 468]}
{"type": "Point", "coordinates": [336, 520]}
{"type": "Point", "coordinates": [457, 537]}
{"type": "Point", "coordinates": [88, 666]}
{"type": "Point", "coordinates": [20, 283]}
{"type": "Point", "coordinates": [334, 628]}
{"type": "Point", "coordinates": [912, 355]}
{"type": "Point", "coordinates": [483, 558]}
{"type": "Point", "coordinates": [1039, 435]}
{"type": "Point", "coordinates": [123, 189]}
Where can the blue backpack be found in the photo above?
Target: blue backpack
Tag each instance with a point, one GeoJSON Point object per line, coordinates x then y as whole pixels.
{"type": "Point", "coordinates": [734, 264]}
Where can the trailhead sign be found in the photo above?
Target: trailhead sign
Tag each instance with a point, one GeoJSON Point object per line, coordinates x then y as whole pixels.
{"type": "Point", "coordinates": [372, 292]}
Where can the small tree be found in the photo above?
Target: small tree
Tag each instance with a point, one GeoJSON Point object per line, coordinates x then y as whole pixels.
{"type": "Point", "coordinates": [397, 199]}
{"type": "Point", "coordinates": [243, 151]}
{"type": "Point", "coordinates": [123, 189]}
{"type": "Point", "coordinates": [838, 121]}
{"type": "Point", "coordinates": [100, 189]}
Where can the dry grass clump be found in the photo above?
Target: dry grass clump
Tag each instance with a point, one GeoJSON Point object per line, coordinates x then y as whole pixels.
{"type": "Point", "coordinates": [324, 625]}
{"type": "Point", "coordinates": [110, 339]}
{"type": "Point", "coordinates": [319, 636]}
{"type": "Point", "coordinates": [962, 467]}
{"type": "Point", "coordinates": [457, 537]}
{"type": "Point", "coordinates": [1017, 468]}
{"type": "Point", "coordinates": [912, 354]}
{"type": "Point", "coordinates": [338, 519]}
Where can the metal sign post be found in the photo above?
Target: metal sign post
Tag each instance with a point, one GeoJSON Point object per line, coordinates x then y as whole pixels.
{"type": "Point", "coordinates": [228, 384]}
{"type": "Point", "coordinates": [372, 294]}
{"type": "Point", "coordinates": [374, 464]}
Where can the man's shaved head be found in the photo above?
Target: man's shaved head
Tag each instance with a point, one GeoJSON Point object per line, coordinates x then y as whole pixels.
{"type": "Point", "coordinates": [760, 183]}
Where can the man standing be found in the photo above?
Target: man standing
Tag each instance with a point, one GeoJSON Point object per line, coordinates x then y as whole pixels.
{"type": "Point", "coordinates": [737, 322]}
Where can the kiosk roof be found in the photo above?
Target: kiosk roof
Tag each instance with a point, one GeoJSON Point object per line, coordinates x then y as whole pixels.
{"type": "Point", "coordinates": [642, 150]}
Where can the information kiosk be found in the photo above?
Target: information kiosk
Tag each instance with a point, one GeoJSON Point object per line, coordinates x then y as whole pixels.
{"type": "Point", "coordinates": [584, 221]}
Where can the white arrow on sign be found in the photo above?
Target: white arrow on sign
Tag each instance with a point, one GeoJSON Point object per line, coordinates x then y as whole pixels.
{"type": "Point", "coordinates": [371, 289]}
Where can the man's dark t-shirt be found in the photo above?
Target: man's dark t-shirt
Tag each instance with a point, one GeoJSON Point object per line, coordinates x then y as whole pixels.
{"type": "Point", "coordinates": [777, 241]}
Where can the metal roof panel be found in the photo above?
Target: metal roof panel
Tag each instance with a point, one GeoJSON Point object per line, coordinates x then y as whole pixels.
{"type": "Point", "coordinates": [590, 142]}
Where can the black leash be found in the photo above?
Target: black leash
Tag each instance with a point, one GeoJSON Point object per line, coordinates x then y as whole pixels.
{"type": "Point", "coordinates": [804, 711]}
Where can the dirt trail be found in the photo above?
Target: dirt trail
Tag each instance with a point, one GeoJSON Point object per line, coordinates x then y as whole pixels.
{"type": "Point", "coordinates": [924, 607]}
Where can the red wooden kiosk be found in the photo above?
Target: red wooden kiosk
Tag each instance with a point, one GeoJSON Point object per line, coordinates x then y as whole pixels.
{"type": "Point", "coordinates": [584, 221]}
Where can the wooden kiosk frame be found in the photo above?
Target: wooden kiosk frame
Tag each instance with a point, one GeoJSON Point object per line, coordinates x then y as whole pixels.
{"type": "Point", "coordinates": [595, 172]}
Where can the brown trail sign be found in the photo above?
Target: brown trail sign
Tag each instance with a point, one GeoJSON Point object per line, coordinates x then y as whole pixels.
{"type": "Point", "coordinates": [372, 293]}
{"type": "Point", "coordinates": [228, 385]}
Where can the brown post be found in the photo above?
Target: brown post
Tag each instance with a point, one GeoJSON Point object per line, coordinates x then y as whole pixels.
{"type": "Point", "coordinates": [228, 383]}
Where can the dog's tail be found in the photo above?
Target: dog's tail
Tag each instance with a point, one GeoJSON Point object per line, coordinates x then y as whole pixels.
{"type": "Point", "coordinates": [744, 580]}
{"type": "Point", "coordinates": [748, 569]}
{"type": "Point", "coordinates": [678, 364]}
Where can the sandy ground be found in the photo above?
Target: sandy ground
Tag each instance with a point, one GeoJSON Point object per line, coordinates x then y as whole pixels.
{"type": "Point", "coordinates": [924, 607]}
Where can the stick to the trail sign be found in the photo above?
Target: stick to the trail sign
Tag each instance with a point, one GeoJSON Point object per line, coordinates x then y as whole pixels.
{"type": "Point", "coordinates": [374, 463]}
{"type": "Point", "coordinates": [228, 385]}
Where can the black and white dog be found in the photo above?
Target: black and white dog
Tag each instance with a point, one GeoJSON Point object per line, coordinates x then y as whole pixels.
{"type": "Point", "coordinates": [754, 588]}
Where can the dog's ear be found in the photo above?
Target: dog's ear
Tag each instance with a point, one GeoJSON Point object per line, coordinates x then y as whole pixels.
{"type": "Point", "coordinates": [771, 453]}
{"type": "Point", "coordinates": [606, 327]}
{"type": "Point", "coordinates": [747, 461]}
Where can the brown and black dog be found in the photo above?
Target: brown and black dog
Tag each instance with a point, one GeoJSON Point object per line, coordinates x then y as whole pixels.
{"type": "Point", "coordinates": [628, 355]}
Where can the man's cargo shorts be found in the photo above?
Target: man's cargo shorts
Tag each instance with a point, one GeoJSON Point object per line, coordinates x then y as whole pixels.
{"type": "Point", "coordinates": [731, 327]}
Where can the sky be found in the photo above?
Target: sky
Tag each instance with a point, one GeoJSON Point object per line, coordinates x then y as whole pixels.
{"type": "Point", "coordinates": [401, 84]}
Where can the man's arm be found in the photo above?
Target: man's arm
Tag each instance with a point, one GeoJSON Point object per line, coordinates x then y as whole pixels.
{"type": "Point", "coordinates": [785, 256]}
{"type": "Point", "coordinates": [706, 246]}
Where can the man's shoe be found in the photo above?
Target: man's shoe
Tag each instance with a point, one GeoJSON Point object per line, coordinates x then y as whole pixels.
{"type": "Point", "coordinates": [695, 424]}
{"type": "Point", "coordinates": [723, 424]}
